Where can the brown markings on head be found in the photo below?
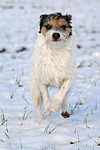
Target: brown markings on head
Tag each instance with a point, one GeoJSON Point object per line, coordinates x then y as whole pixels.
{"type": "Point", "coordinates": [68, 32]}
{"type": "Point", "coordinates": [44, 31]}
{"type": "Point", "coordinates": [60, 24]}
{"type": "Point", "coordinates": [57, 21]}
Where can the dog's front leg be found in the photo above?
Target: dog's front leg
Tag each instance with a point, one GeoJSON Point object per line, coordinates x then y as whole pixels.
{"type": "Point", "coordinates": [46, 99]}
{"type": "Point", "coordinates": [58, 98]}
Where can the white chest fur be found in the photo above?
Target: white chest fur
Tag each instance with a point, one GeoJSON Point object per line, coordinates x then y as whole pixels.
{"type": "Point", "coordinates": [52, 66]}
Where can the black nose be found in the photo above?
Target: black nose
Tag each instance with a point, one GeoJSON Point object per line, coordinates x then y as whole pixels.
{"type": "Point", "coordinates": [56, 36]}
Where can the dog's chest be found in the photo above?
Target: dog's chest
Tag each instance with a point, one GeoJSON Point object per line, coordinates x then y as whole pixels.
{"type": "Point", "coordinates": [51, 67]}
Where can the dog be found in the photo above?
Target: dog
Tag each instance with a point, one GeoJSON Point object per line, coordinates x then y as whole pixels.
{"type": "Point", "coordinates": [54, 64]}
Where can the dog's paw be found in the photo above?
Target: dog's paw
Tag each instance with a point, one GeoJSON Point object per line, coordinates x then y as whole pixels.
{"type": "Point", "coordinates": [65, 114]}
{"type": "Point", "coordinates": [55, 106]}
{"type": "Point", "coordinates": [39, 120]}
{"type": "Point", "coordinates": [47, 111]}
{"type": "Point", "coordinates": [46, 108]}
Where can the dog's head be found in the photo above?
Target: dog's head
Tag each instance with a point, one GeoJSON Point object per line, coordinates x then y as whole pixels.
{"type": "Point", "coordinates": [56, 28]}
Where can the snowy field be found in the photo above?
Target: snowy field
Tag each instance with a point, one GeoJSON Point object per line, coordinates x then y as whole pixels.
{"type": "Point", "coordinates": [18, 32]}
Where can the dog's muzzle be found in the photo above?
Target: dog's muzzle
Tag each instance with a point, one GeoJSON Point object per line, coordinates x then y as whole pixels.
{"type": "Point", "coordinates": [55, 36]}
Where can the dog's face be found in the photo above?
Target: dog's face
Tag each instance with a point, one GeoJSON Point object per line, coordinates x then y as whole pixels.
{"type": "Point", "coordinates": [56, 28]}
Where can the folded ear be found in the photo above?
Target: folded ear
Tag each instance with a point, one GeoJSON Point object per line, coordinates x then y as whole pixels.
{"type": "Point", "coordinates": [43, 16]}
{"type": "Point", "coordinates": [69, 18]}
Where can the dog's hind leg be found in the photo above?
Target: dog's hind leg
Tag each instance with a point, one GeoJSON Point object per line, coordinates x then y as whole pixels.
{"type": "Point", "coordinates": [64, 108]}
{"type": "Point", "coordinates": [36, 96]}
{"type": "Point", "coordinates": [39, 111]}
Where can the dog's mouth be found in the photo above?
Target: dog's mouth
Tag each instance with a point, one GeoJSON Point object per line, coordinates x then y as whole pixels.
{"type": "Point", "coordinates": [56, 40]}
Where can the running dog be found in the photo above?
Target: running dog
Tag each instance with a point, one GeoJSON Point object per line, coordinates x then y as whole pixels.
{"type": "Point", "coordinates": [53, 63]}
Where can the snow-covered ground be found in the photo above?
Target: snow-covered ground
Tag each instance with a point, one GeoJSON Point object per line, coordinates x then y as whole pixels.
{"type": "Point", "coordinates": [18, 128]}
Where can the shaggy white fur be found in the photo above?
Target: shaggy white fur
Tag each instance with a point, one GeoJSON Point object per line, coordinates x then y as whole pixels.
{"type": "Point", "coordinates": [54, 64]}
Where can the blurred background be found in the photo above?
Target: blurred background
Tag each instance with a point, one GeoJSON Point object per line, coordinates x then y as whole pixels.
{"type": "Point", "coordinates": [19, 21]}
{"type": "Point", "coordinates": [19, 25]}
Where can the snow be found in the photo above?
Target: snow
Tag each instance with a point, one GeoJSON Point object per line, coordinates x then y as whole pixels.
{"type": "Point", "coordinates": [18, 127]}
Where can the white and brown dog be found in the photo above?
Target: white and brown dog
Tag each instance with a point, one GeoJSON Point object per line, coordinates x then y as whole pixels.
{"type": "Point", "coordinates": [53, 63]}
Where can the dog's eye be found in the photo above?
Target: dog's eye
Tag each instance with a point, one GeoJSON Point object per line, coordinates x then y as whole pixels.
{"type": "Point", "coordinates": [48, 27]}
{"type": "Point", "coordinates": [63, 27]}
